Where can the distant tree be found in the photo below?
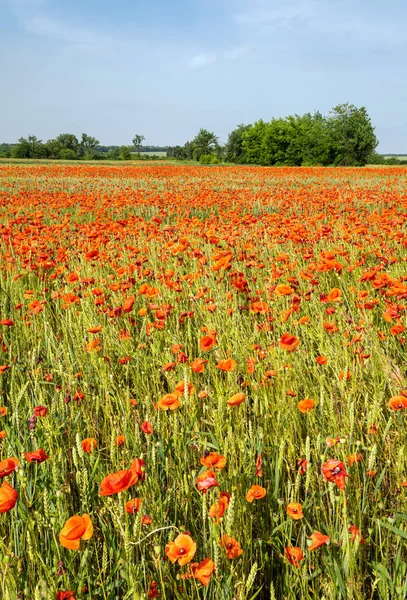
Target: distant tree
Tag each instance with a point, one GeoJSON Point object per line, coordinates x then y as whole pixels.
{"type": "Point", "coordinates": [87, 145]}
{"type": "Point", "coordinates": [30, 147]}
{"type": "Point", "coordinates": [205, 142]}
{"type": "Point", "coordinates": [68, 141]}
{"type": "Point", "coordinates": [113, 154]}
{"type": "Point", "coordinates": [137, 141]}
{"type": "Point", "coordinates": [53, 149]}
{"type": "Point", "coordinates": [125, 153]}
{"type": "Point", "coordinates": [252, 142]}
{"type": "Point", "coordinates": [352, 135]}
{"type": "Point", "coordinates": [234, 151]}
{"type": "Point", "coordinates": [68, 154]}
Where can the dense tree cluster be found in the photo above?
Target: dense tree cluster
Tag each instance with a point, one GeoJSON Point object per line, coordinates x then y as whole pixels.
{"type": "Point", "coordinates": [345, 137]}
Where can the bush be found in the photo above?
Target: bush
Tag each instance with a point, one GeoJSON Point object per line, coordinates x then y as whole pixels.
{"type": "Point", "coordinates": [68, 154]}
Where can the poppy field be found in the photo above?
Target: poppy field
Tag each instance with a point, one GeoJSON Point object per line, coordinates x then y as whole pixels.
{"type": "Point", "coordinates": [203, 382]}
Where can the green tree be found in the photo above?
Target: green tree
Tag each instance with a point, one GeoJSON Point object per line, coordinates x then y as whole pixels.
{"type": "Point", "coordinates": [137, 141]}
{"type": "Point", "coordinates": [234, 151]}
{"type": "Point", "coordinates": [205, 142]}
{"type": "Point", "coordinates": [125, 153]}
{"type": "Point", "coordinates": [87, 146]}
{"type": "Point", "coordinates": [352, 135]}
{"type": "Point", "coordinates": [68, 141]}
{"type": "Point", "coordinates": [252, 142]}
{"type": "Point", "coordinates": [30, 147]}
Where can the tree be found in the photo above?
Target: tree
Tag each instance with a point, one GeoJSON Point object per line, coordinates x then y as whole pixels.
{"type": "Point", "coordinates": [205, 142]}
{"type": "Point", "coordinates": [68, 141]}
{"type": "Point", "coordinates": [234, 151]}
{"type": "Point", "coordinates": [125, 153]}
{"type": "Point", "coordinates": [352, 135]}
{"type": "Point", "coordinates": [30, 147]}
{"type": "Point", "coordinates": [87, 145]}
{"type": "Point", "coordinates": [137, 141]}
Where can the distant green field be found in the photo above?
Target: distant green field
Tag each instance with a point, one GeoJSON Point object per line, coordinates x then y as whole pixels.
{"type": "Point", "coordinates": [153, 153]}
{"type": "Point", "coordinates": [398, 156]}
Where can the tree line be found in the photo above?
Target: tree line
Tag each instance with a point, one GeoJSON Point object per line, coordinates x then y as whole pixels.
{"type": "Point", "coordinates": [68, 147]}
{"type": "Point", "coordinates": [344, 137]}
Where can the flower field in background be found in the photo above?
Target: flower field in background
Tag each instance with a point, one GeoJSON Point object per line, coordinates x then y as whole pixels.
{"type": "Point", "coordinates": [203, 382]}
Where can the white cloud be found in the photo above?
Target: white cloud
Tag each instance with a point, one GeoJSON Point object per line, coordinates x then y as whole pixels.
{"type": "Point", "coordinates": [202, 60]}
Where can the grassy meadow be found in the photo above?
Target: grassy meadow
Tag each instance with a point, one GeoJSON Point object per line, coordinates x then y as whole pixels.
{"type": "Point", "coordinates": [203, 382]}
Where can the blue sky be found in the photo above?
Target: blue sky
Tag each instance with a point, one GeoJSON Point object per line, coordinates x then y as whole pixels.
{"type": "Point", "coordinates": [165, 68]}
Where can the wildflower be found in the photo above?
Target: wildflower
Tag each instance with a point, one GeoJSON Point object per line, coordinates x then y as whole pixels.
{"type": "Point", "coordinates": [226, 365]}
{"type": "Point", "coordinates": [356, 533]}
{"type": "Point", "coordinates": [294, 510]}
{"type": "Point", "coordinates": [256, 492]}
{"type": "Point", "coordinates": [318, 539]}
{"type": "Point", "coordinates": [75, 529]}
{"type": "Point", "coordinates": [305, 406]}
{"type": "Point", "coordinates": [168, 402]}
{"type": "Point", "coordinates": [294, 555]}
{"type": "Point", "coordinates": [236, 399]}
{"type": "Point", "coordinates": [207, 342]}
{"type": "Point", "coordinates": [354, 458]}
{"type": "Point", "coordinates": [302, 465]}
{"type": "Point", "coordinates": [118, 482]}
{"type": "Point", "coordinates": [38, 456]}
{"type": "Point", "coordinates": [8, 497]}
{"type": "Point", "coordinates": [133, 506]}
{"type": "Point", "coordinates": [182, 549]}
{"type": "Point", "coordinates": [120, 440]}
{"type": "Point", "coordinates": [289, 342]}
{"type": "Point", "coordinates": [146, 428]}
{"type": "Point", "coordinates": [213, 460]}
{"type": "Point", "coordinates": [201, 571]}
{"type": "Point", "coordinates": [89, 444]}
{"type": "Point", "coordinates": [232, 546]}
{"type": "Point", "coordinates": [66, 595]}
{"type": "Point", "coordinates": [397, 403]}
{"type": "Point", "coordinates": [218, 508]}
{"type": "Point", "coordinates": [334, 471]}
{"type": "Point", "coordinates": [206, 480]}
{"type": "Point", "coordinates": [198, 365]}
{"type": "Point", "coordinates": [7, 466]}
{"type": "Point", "coordinates": [40, 411]}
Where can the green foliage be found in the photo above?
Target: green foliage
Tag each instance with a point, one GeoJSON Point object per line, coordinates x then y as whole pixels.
{"type": "Point", "coordinates": [352, 135]}
{"type": "Point", "coordinates": [125, 153]}
{"type": "Point", "coordinates": [137, 141]}
{"type": "Point", "coordinates": [234, 151]}
{"type": "Point", "coordinates": [67, 154]}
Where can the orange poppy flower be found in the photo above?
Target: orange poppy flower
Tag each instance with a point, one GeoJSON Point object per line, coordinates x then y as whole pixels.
{"type": "Point", "coordinates": [321, 360]}
{"type": "Point", "coordinates": [118, 482]}
{"type": "Point", "coordinates": [38, 456]}
{"type": "Point", "coordinates": [3, 434]}
{"type": "Point", "coordinates": [206, 480]}
{"type": "Point", "coordinates": [97, 329]}
{"type": "Point", "coordinates": [182, 549]}
{"type": "Point", "coordinates": [318, 539]}
{"type": "Point", "coordinates": [305, 406]}
{"type": "Point", "coordinates": [283, 290]}
{"type": "Point", "coordinates": [226, 365]}
{"type": "Point", "coordinates": [146, 428]}
{"type": "Point", "coordinates": [334, 295]}
{"type": "Point", "coordinates": [289, 342]}
{"type": "Point", "coordinates": [294, 510]}
{"type": "Point", "coordinates": [213, 460]}
{"type": "Point", "coordinates": [217, 510]}
{"type": "Point", "coordinates": [8, 497]}
{"type": "Point", "coordinates": [294, 555]}
{"type": "Point", "coordinates": [236, 399]}
{"type": "Point", "coordinates": [201, 571]}
{"type": "Point", "coordinates": [397, 403]}
{"type": "Point", "coordinates": [256, 492]}
{"type": "Point", "coordinates": [4, 368]}
{"type": "Point", "coordinates": [89, 444]}
{"type": "Point", "coordinates": [232, 546]}
{"type": "Point", "coordinates": [3, 411]}
{"type": "Point", "coordinates": [198, 365]}
{"type": "Point", "coordinates": [334, 471]}
{"type": "Point", "coordinates": [354, 458]}
{"type": "Point", "coordinates": [120, 440]}
{"type": "Point", "coordinates": [207, 342]}
{"type": "Point", "coordinates": [7, 466]}
{"type": "Point", "coordinates": [66, 595]}
{"type": "Point", "coordinates": [133, 506]}
{"type": "Point", "coordinates": [168, 402]}
{"type": "Point", "coordinates": [76, 529]}
{"type": "Point", "coordinates": [355, 531]}
{"type": "Point", "coordinates": [302, 464]}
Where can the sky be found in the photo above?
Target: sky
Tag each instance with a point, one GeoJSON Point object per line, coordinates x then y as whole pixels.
{"type": "Point", "coordinates": [166, 68]}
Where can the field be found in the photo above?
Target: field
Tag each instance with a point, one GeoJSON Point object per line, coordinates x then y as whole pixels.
{"type": "Point", "coordinates": [203, 382]}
